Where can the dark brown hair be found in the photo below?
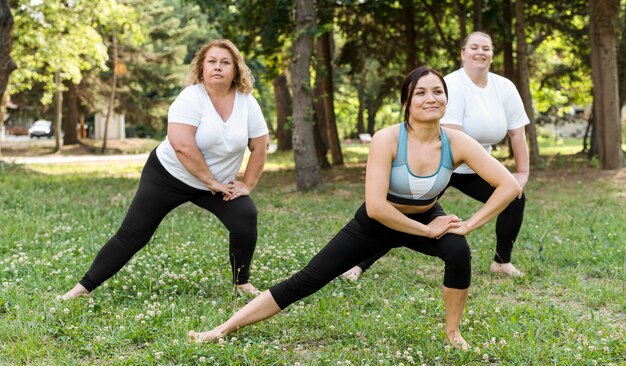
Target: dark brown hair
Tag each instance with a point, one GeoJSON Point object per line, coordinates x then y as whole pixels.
{"type": "Point", "coordinates": [409, 83]}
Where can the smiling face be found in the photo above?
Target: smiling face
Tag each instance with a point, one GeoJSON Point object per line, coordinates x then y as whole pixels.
{"type": "Point", "coordinates": [428, 102]}
{"type": "Point", "coordinates": [477, 53]}
{"type": "Point", "coordinates": [218, 68]}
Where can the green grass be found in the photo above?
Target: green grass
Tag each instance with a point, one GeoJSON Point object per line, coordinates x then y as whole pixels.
{"type": "Point", "coordinates": [568, 310]}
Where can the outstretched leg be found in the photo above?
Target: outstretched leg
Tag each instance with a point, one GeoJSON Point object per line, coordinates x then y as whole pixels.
{"type": "Point", "coordinates": [260, 308]}
{"type": "Point", "coordinates": [158, 193]}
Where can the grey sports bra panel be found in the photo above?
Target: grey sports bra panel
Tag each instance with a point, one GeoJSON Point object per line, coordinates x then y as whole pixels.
{"type": "Point", "coordinates": [409, 189]}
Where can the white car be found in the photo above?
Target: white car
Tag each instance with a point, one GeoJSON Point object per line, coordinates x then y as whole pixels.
{"type": "Point", "coordinates": [40, 128]}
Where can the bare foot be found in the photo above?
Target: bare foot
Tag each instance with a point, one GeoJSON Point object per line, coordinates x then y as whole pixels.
{"type": "Point", "coordinates": [204, 337]}
{"type": "Point", "coordinates": [77, 291]}
{"type": "Point", "coordinates": [247, 290]}
{"type": "Point", "coordinates": [353, 273]}
{"type": "Point", "coordinates": [456, 340]}
{"type": "Point", "coordinates": [507, 268]}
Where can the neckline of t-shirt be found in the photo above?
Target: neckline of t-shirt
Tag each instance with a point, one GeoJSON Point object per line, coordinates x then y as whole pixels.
{"type": "Point", "coordinates": [476, 87]}
{"type": "Point", "coordinates": [206, 93]}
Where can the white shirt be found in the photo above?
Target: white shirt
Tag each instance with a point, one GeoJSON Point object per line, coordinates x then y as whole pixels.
{"type": "Point", "coordinates": [222, 143]}
{"type": "Point", "coordinates": [486, 114]}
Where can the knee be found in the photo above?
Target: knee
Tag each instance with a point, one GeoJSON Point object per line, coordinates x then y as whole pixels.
{"type": "Point", "coordinates": [132, 238]}
{"type": "Point", "coordinates": [242, 223]}
{"type": "Point", "coordinates": [458, 263]}
{"type": "Point", "coordinates": [456, 249]}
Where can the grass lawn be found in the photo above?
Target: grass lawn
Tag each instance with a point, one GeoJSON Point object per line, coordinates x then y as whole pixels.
{"type": "Point", "coordinates": [569, 309]}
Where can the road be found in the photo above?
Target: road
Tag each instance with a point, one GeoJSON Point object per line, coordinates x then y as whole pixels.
{"type": "Point", "coordinates": [64, 159]}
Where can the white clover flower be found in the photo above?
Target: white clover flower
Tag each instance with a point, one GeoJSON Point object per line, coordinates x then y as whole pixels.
{"type": "Point", "coordinates": [52, 310]}
{"type": "Point", "coordinates": [66, 311]}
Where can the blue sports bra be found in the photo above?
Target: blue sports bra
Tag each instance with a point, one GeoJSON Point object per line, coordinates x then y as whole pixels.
{"type": "Point", "coordinates": [405, 188]}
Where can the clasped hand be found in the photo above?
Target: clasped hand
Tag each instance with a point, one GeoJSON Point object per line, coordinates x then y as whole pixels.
{"type": "Point", "coordinates": [232, 190]}
{"type": "Point", "coordinates": [447, 224]}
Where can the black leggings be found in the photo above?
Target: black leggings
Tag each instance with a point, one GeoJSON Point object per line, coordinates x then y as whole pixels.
{"type": "Point", "coordinates": [508, 224]}
{"type": "Point", "coordinates": [159, 193]}
{"type": "Point", "coordinates": [363, 237]}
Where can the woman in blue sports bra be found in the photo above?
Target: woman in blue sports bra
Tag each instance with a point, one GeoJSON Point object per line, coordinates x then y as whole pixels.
{"type": "Point", "coordinates": [401, 186]}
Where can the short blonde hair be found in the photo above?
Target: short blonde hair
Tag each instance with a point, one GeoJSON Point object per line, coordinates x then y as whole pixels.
{"type": "Point", "coordinates": [244, 81]}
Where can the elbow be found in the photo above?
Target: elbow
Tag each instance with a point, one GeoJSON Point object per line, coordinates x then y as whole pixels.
{"type": "Point", "coordinates": [180, 148]}
{"type": "Point", "coordinates": [374, 210]}
{"type": "Point", "coordinates": [515, 188]}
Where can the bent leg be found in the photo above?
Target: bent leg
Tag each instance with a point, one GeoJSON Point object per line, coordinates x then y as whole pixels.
{"type": "Point", "coordinates": [239, 216]}
{"type": "Point", "coordinates": [508, 226]}
{"type": "Point", "coordinates": [509, 221]}
{"type": "Point", "coordinates": [454, 301]}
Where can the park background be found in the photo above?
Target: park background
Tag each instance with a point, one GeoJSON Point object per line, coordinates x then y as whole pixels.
{"type": "Point", "coordinates": [71, 60]}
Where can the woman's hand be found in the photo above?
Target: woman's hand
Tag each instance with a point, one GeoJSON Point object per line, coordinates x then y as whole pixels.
{"type": "Point", "coordinates": [442, 225]}
{"type": "Point", "coordinates": [216, 186]}
{"type": "Point", "coordinates": [522, 179]}
{"type": "Point", "coordinates": [236, 189]}
{"type": "Point", "coordinates": [461, 229]}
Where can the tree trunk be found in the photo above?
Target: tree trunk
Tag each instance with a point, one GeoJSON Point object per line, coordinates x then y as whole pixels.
{"type": "Point", "coordinates": [3, 106]}
{"type": "Point", "coordinates": [603, 18]}
{"type": "Point", "coordinates": [58, 113]}
{"type": "Point", "coordinates": [507, 42]}
{"type": "Point", "coordinates": [621, 60]}
{"type": "Point", "coordinates": [360, 123]}
{"type": "Point", "coordinates": [409, 35]}
{"type": "Point", "coordinates": [459, 9]}
{"type": "Point", "coordinates": [324, 52]}
{"type": "Point", "coordinates": [373, 106]}
{"type": "Point", "coordinates": [6, 62]}
{"type": "Point", "coordinates": [478, 15]}
{"type": "Point", "coordinates": [523, 83]}
{"type": "Point", "coordinates": [112, 97]}
{"type": "Point", "coordinates": [320, 134]}
{"type": "Point", "coordinates": [71, 114]}
{"type": "Point", "coordinates": [282, 98]}
{"type": "Point", "coordinates": [308, 173]}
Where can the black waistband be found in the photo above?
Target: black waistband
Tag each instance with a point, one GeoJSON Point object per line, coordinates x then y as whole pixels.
{"type": "Point", "coordinates": [410, 201]}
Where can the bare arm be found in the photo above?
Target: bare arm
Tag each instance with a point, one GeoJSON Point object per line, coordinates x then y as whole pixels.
{"type": "Point", "coordinates": [520, 152]}
{"type": "Point", "coordinates": [258, 153]}
{"type": "Point", "coordinates": [466, 149]}
{"type": "Point", "coordinates": [382, 149]}
{"type": "Point", "coordinates": [182, 137]}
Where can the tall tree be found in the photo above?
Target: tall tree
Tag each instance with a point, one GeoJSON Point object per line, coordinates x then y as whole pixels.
{"type": "Point", "coordinates": [325, 48]}
{"type": "Point", "coordinates": [6, 62]}
{"type": "Point", "coordinates": [603, 20]}
{"type": "Point", "coordinates": [307, 167]}
{"type": "Point", "coordinates": [523, 83]}
{"type": "Point", "coordinates": [62, 36]}
{"type": "Point", "coordinates": [284, 112]}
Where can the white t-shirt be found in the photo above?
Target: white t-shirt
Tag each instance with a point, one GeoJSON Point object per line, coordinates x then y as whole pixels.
{"type": "Point", "coordinates": [486, 114]}
{"type": "Point", "coordinates": [222, 144]}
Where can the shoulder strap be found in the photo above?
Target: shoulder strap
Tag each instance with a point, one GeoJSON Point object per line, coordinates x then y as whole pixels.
{"type": "Point", "coordinates": [401, 152]}
{"type": "Point", "coordinates": [446, 156]}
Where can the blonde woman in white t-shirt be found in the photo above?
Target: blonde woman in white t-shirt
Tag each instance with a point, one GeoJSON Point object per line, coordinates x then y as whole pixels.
{"type": "Point", "coordinates": [487, 107]}
{"type": "Point", "coordinates": [210, 125]}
